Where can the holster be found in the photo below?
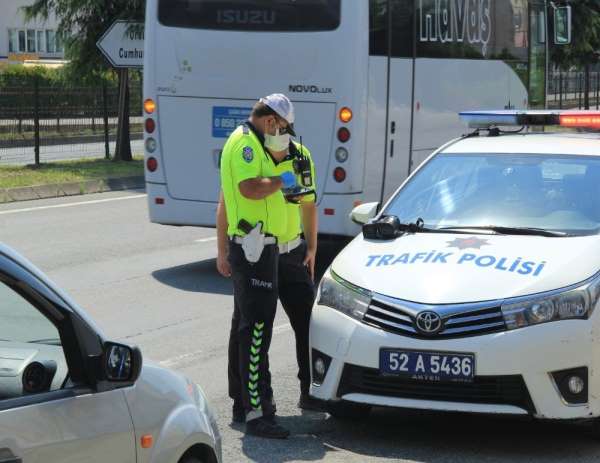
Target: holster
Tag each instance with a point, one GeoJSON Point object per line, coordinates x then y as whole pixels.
{"type": "Point", "coordinates": [253, 243]}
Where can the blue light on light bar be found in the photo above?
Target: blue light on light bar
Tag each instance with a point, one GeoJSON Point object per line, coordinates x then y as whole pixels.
{"type": "Point", "coordinates": [487, 119]}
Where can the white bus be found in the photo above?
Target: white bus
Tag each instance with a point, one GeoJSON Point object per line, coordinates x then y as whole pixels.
{"type": "Point", "coordinates": [402, 69]}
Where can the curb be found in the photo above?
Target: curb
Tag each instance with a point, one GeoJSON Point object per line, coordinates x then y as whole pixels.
{"type": "Point", "coordinates": [101, 185]}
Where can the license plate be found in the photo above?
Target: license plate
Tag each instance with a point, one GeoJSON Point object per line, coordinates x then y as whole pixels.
{"type": "Point", "coordinates": [430, 366]}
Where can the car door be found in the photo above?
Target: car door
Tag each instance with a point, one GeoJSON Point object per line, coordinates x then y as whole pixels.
{"type": "Point", "coordinates": [50, 409]}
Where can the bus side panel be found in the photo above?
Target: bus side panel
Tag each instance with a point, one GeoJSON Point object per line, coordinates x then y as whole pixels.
{"type": "Point", "coordinates": [444, 87]}
{"type": "Point", "coordinates": [375, 149]}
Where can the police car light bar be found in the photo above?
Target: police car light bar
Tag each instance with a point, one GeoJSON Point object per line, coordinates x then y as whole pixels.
{"type": "Point", "coordinates": [587, 119]}
{"type": "Point", "coordinates": [487, 119]}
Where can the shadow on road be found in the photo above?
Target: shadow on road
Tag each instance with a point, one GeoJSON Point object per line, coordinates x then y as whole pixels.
{"type": "Point", "coordinates": [202, 276]}
{"type": "Point", "coordinates": [427, 437]}
{"type": "Point", "coordinates": [198, 277]}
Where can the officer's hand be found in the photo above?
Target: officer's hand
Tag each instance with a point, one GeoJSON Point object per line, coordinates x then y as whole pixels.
{"type": "Point", "coordinates": [289, 179]}
{"type": "Point", "coordinates": [309, 261]}
{"type": "Point", "coordinates": [223, 266]}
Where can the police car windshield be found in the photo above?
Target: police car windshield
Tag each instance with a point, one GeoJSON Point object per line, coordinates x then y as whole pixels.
{"type": "Point", "coordinates": [548, 192]}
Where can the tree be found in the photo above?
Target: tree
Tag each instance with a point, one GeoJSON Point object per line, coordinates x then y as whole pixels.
{"type": "Point", "coordinates": [585, 41]}
{"type": "Point", "coordinates": [81, 24]}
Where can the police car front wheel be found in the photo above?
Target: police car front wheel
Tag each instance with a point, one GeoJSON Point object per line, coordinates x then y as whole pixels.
{"type": "Point", "coordinates": [344, 410]}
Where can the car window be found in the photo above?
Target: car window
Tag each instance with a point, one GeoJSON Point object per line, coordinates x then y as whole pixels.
{"type": "Point", "coordinates": [554, 192]}
{"type": "Point", "coordinates": [31, 356]}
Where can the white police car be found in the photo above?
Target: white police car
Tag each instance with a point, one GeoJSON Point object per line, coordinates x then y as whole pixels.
{"type": "Point", "coordinates": [476, 287]}
{"type": "Point", "coordinates": [69, 394]}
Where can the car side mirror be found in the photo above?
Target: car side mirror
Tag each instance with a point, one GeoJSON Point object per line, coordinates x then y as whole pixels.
{"type": "Point", "coordinates": [562, 25]}
{"type": "Point", "coordinates": [363, 213]}
{"type": "Point", "coordinates": [122, 363]}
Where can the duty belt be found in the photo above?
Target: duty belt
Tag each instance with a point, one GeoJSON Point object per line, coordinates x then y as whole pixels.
{"type": "Point", "coordinates": [284, 248]}
{"type": "Point", "coordinates": [268, 239]}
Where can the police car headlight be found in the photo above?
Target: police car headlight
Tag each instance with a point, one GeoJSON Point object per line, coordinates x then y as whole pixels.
{"type": "Point", "coordinates": [339, 294]}
{"type": "Point", "coordinates": [577, 303]}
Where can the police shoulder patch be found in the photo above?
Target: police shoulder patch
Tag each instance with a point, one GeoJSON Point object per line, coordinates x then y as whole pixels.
{"type": "Point", "coordinates": [248, 154]}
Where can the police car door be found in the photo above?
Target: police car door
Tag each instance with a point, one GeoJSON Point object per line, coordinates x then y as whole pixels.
{"type": "Point", "coordinates": [44, 416]}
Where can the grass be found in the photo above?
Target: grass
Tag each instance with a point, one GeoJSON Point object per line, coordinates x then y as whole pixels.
{"type": "Point", "coordinates": [68, 171]}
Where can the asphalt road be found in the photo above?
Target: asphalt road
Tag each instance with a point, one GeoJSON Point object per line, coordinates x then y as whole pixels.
{"type": "Point", "coordinates": [157, 287]}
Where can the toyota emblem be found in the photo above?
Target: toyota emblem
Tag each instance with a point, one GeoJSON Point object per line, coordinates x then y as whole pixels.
{"type": "Point", "coordinates": [428, 323]}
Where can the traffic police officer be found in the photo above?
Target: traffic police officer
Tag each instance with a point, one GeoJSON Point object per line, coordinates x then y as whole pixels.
{"type": "Point", "coordinates": [296, 271]}
{"type": "Point", "coordinates": [256, 217]}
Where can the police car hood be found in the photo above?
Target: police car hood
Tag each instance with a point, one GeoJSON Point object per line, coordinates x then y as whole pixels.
{"type": "Point", "coordinates": [457, 268]}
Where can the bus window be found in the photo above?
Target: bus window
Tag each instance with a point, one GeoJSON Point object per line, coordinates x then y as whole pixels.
{"type": "Point", "coordinates": [251, 15]}
{"type": "Point", "coordinates": [465, 29]}
{"type": "Point", "coordinates": [402, 26]}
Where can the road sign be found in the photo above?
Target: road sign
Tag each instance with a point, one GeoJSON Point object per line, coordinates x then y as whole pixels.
{"type": "Point", "coordinates": [123, 44]}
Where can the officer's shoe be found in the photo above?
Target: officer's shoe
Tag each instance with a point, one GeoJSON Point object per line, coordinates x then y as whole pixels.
{"type": "Point", "coordinates": [307, 402]}
{"type": "Point", "coordinates": [238, 414]}
{"type": "Point", "coordinates": [263, 427]}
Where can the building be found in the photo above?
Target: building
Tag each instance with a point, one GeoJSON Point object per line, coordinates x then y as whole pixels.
{"type": "Point", "coordinates": [22, 41]}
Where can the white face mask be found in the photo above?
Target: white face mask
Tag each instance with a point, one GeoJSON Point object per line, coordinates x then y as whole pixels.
{"type": "Point", "coordinates": [279, 142]}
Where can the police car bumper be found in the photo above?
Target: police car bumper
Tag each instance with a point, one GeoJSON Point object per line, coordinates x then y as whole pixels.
{"type": "Point", "coordinates": [526, 371]}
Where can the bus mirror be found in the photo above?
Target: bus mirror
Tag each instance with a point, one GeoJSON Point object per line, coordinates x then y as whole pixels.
{"type": "Point", "coordinates": [562, 25]}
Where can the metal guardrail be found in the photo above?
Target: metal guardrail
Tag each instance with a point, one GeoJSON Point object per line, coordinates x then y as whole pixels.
{"type": "Point", "coordinates": [566, 90]}
{"type": "Point", "coordinates": [39, 123]}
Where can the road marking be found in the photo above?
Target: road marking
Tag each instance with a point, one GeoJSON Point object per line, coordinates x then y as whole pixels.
{"type": "Point", "coordinates": [282, 328]}
{"type": "Point", "coordinates": [178, 360]}
{"type": "Point", "coordinates": [57, 206]}
{"type": "Point", "coordinates": [173, 361]}
{"type": "Point", "coordinates": [206, 240]}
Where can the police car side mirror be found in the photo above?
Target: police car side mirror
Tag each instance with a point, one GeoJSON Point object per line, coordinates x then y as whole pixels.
{"type": "Point", "coordinates": [363, 213]}
{"type": "Point", "coordinates": [562, 25]}
{"type": "Point", "coordinates": [122, 363]}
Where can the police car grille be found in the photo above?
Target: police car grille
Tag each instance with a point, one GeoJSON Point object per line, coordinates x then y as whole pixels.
{"type": "Point", "coordinates": [389, 316]}
{"type": "Point", "coordinates": [495, 390]}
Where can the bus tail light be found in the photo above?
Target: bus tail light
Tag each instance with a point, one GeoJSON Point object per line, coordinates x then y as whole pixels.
{"type": "Point", "coordinates": [339, 174]}
{"type": "Point", "coordinates": [150, 145]}
{"type": "Point", "coordinates": [149, 125]}
{"type": "Point", "coordinates": [328, 211]}
{"type": "Point", "coordinates": [152, 164]}
{"type": "Point", "coordinates": [159, 201]}
{"type": "Point", "coordinates": [149, 106]}
{"type": "Point", "coordinates": [343, 134]}
{"type": "Point", "coordinates": [341, 154]}
{"type": "Point", "coordinates": [345, 114]}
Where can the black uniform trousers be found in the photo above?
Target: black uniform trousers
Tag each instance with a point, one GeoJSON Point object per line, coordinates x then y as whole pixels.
{"type": "Point", "coordinates": [297, 295]}
{"type": "Point", "coordinates": [255, 292]}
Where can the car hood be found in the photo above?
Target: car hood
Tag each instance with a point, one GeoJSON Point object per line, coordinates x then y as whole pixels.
{"type": "Point", "coordinates": [457, 268]}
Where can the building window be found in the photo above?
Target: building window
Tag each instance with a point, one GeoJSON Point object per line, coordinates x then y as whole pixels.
{"type": "Point", "coordinates": [59, 43]}
{"type": "Point", "coordinates": [50, 41]}
{"type": "Point", "coordinates": [22, 42]}
{"type": "Point", "coordinates": [31, 41]}
{"type": "Point", "coordinates": [34, 41]}
{"type": "Point", "coordinates": [13, 43]}
{"type": "Point", "coordinates": [41, 46]}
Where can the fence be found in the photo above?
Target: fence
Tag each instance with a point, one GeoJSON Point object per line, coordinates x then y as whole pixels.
{"type": "Point", "coordinates": [40, 123]}
{"type": "Point", "coordinates": [567, 90]}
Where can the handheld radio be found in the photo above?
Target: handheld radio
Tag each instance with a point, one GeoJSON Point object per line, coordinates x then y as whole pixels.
{"type": "Point", "coordinates": [302, 168]}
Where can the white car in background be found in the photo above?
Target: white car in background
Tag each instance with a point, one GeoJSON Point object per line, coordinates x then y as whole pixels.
{"type": "Point", "coordinates": [69, 395]}
{"type": "Point", "coordinates": [476, 287]}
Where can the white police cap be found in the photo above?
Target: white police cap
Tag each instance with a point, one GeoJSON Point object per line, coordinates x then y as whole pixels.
{"type": "Point", "coordinates": [282, 105]}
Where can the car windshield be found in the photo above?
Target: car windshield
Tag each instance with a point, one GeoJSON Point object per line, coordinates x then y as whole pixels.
{"type": "Point", "coordinates": [551, 192]}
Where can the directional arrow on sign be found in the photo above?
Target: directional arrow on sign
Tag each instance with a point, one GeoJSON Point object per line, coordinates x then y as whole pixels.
{"type": "Point", "coordinates": [123, 44]}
